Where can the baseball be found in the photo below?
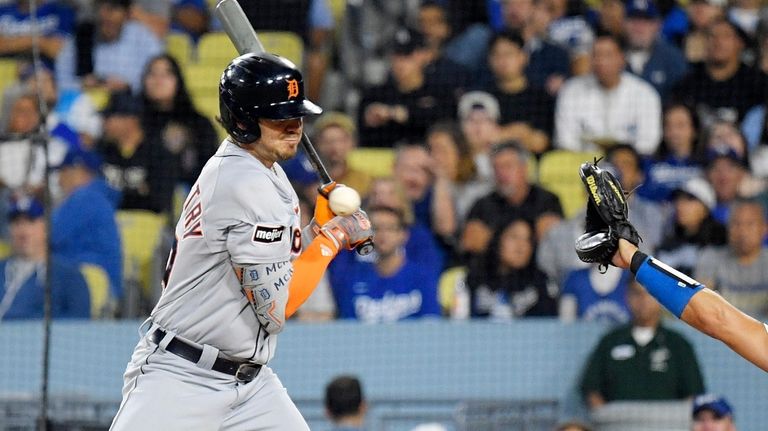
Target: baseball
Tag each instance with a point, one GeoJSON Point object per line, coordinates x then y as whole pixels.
{"type": "Point", "coordinates": [344, 200]}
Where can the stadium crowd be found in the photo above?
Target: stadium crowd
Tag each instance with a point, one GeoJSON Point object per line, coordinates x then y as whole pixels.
{"type": "Point", "coordinates": [482, 108]}
{"type": "Point", "coordinates": [460, 122]}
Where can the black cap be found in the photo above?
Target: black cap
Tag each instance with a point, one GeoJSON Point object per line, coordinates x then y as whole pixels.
{"type": "Point", "coordinates": [123, 103]}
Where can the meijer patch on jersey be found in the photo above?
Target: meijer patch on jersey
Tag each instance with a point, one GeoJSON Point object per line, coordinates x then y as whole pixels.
{"type": "Point", "coordinates": [268, 234]}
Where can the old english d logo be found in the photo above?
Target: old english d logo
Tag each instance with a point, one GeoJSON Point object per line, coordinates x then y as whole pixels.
{"type": "Point", "coordinates": [293, 88]}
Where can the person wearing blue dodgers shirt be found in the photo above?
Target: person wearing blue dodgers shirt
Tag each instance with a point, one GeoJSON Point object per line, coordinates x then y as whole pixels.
{"type": "Point", "coordinates": [392, 287]}
{"type": "Point", "coordinates": [83, 227]}
{"type": "Point", "coordinates": [54, 23]}
{"type": "Point", "coordinates": [23, 274]}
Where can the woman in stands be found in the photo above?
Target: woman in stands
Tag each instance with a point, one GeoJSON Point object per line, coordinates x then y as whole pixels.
{"type": "Point", "coordinates": [170, 117]}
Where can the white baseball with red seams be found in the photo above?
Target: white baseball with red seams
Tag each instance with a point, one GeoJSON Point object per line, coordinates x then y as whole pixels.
{"type": "Point", "coordinates": [344, 200]}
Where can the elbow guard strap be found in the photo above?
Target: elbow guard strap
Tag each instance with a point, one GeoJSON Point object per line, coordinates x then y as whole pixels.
{"type": "Point", "coordinates": [670, 287]}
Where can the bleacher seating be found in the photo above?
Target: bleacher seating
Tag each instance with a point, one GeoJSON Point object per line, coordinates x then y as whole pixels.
{"type": "Point", "coordinates": [376, 162]}
{"type": "Point", "coordinates": [98, 286]}
{"type": "Point", "coordinates": [180, 47]}
{"type": "Point", "coordinates": [558, 172]}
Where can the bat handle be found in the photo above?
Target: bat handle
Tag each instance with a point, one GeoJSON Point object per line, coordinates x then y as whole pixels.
{"type": "Point", "coordinates": [366, 247]}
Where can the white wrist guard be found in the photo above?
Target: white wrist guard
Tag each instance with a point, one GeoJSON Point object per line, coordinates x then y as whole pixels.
{"type": "Point", "coordinates": [266, 287]}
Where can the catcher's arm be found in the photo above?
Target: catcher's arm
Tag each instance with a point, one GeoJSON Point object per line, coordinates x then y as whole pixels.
{"type": "Point", "coordinates": [696, 305]}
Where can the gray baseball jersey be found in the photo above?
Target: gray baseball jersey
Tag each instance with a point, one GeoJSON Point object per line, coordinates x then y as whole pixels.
{"type": "Point", "coordinates": [239, 212]}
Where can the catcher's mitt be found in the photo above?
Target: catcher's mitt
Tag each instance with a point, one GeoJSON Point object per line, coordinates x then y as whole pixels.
{"type": "Point", "coordinates": [606, 216]}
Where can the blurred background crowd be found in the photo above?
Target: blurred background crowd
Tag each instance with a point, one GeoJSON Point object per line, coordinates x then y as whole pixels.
{"type": "Point", "coordinates": [462, 124]}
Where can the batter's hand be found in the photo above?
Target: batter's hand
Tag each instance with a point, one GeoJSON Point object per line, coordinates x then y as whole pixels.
{"type": "Point", "coordinates": [348, 231]}
{"type": "Point", "coordinates": [323, 213]}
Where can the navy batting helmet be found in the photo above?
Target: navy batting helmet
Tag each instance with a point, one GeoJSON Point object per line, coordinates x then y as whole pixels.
{"type": "Point", "coordinates": [260, 86]}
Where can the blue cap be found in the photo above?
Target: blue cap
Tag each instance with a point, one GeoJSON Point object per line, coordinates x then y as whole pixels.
{"type": "Point", "coordinates": [25, 206]}
{"type": "Point", "coordinates": [79, 157]}
{"type": "Point", "coordinates": [714, 403]}
{"type": "Point", "coordinates": [642, 9]}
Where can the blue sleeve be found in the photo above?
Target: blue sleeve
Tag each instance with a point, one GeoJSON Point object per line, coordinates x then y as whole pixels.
{"type": "Point", "coordinates": [669, 286]}
{"type": "Point", "coordinates": [66, 20]}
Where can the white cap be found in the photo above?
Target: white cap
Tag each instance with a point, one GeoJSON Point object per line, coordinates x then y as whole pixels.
{"type": "Point", "coordinates": [699, 188]}
{"type": "Point", "coordinates": [478, 100]}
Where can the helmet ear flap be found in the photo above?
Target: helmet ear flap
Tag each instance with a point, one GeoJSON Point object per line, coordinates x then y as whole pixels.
{"type": "Point", "coordinates": [236, 130]}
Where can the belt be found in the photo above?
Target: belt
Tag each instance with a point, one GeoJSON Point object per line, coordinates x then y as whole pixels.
{"type": "Point", "coordinates": [244, 372]}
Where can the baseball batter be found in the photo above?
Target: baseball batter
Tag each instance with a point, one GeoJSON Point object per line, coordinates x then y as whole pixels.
{"type": "Point", "coordinates": [240, 266]}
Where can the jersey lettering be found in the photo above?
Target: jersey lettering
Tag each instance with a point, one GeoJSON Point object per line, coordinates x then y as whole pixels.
{"type": "Point", "coordinates": [268, 234]}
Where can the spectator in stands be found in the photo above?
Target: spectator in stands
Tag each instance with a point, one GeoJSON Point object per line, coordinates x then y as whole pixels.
{"type": "Point", "coordinates": [434, 24]}
{"type": "Point", "coordinates": [701, 14]}
{"type": "Point", "coordinates": [525, 111]}
{"type": "Point", "coordinates": [143, 170]}
{"type": "Point", "coordinates": [392, 287]}
{"type": "Point", "coordinates": [335, 137]}
{"type": "Point", "coordinates": [421, 246]}
{"type": "Point", "coordinates": [514, 196]}
{"type": "Point", "coordinates": [427, 188]}
{"type": "Point", "coordinates": [676, 159]}
{"type": "Point", "coordinates": [310, 19]}
{"type": "Point", "coordinates": [648, 217]}
{"type": "Point", "coordinates": [22, 159]}
{"type": "Point", "coordinates": [594, 295]}
{"type": "Point", "coordinates": [171, 120]}
{"type": "Point", "coordinates": [648, 54]}
{"type": "Point", "coordinates": [109, 55]}
{"type": "Point", "coordinates": [83, 228]}
{"type": "Point", "coordinates": [345, 403]}
{"type": "Point", "coordinates": [22, 275]}
{"type": "Point", "coordinates": [569, 29]}
{"type": "Point", "coordinates": [608, 106]}
{"type": "Point", "coordinates": [548, 64]}
{"type": "Point", "coordinates": [642, 360]}
{"type": "Point", "coordinates": [405, 106]}
{"type": "Point", "coordinates": [727, 171]}
{"type": "Point", "coordinates": [723, 87]}
{"type": "Point", "coordinates": [70, 107]}
{"type": "Point", "coordinates": [479, 115]}
{"type": "Point", "coordinates": [510, 285]}
{"type": "Point", "coordinates": [739, 271]}
{"type": "Point", "coordinates": [153, 14]}
{"type": "Point", "coordinates": [453, 159]}
{"type": "Point", "coordinates": [694, 226]}
{"type": "Point", "coordinates": [366, 34]}
{"type": "Point", "coordinates": [712, 413]}
{"type": "Point", "coordinates": [54, 21]}
{"type": "Point", "coordinates": [190, 17]}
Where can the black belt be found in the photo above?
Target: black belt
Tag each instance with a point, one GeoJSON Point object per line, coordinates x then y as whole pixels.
{"type": "Point", "coordinates": [243, 371]}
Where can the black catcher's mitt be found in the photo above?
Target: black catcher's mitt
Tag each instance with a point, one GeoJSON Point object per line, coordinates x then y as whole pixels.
{"type": "Point", "coordinates": [606, 216]}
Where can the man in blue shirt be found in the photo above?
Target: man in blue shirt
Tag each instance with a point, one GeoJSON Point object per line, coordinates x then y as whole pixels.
{"type": "Point", "coordinates": [109, 56]}
{"type": "Point", "coordinates": [54, 23]}
{"type": "Point", "coordinates": [84, 229]}
{"type": "Point", "coordinates": [392, 287]}
{"type": "Point", "coordinates": [22, 276]}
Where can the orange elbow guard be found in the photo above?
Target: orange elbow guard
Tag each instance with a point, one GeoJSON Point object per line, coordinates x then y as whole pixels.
{"type": "Point", "coordinates": [308, 269]}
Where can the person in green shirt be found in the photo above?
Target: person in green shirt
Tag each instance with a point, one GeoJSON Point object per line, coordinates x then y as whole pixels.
{"type": "Point", "coordinates": [642, 360]}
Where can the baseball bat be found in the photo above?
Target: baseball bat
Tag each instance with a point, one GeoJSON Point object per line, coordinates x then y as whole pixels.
{"type": "Point", "coordinates": [245, 39]}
